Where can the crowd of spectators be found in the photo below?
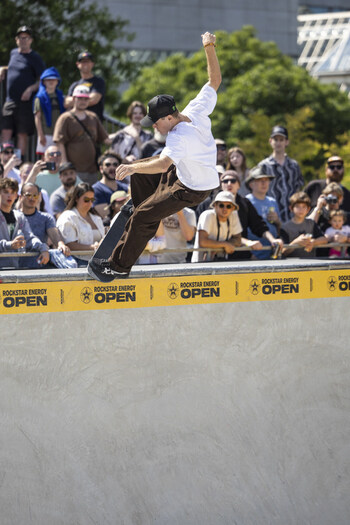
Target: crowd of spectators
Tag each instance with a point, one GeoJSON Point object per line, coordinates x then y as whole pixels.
{"type": "Point", "coordinates": [63, 203]}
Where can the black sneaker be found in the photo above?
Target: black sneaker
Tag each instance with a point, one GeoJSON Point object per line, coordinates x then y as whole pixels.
{"type": "Point", "coordinates": [101, 270]}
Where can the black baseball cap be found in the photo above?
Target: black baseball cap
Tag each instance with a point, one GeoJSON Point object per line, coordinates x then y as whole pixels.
{"type": "Point", "coordinates": [279, 130]}
{"type": "Point", "coordinates": [158, 107]}
{"type": "Point", "coordinates": [24, 29]}
{"type": "Point", "coordinates": [85, 54]}
{"type": "Point", "coordinates": [66, 166]}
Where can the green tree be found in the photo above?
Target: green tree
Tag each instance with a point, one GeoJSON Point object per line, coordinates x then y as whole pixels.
{"type": "Point", "coordinates": [63, 28]}
{"type": "Point", "coordinates": [261, 87]}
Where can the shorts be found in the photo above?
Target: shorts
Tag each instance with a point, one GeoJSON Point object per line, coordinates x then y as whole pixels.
{"type": "Point", "coordinates": [18, 117]}
{"type": "Point", "coordinates": [40, 149]}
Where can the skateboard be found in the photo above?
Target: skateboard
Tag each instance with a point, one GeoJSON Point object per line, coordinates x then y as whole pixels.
{"type": "Point", "coordinates": [104, 251]}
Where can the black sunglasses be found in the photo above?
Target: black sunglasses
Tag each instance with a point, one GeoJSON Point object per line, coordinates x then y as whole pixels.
{"type": "Point", "coordinates": [335, 166]}
{"type": "Point", "coordinates": [8, 151]}
{"type": "Point", "coordinates": [228, 206]}
{"type": "Point", "coordinates": [115, 164]}
{"type": "Point", "coordinates": [230, 180]}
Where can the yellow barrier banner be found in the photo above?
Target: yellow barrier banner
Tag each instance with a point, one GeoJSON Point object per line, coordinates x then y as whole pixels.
{"type": "Point", "coordinates": [168, 291]}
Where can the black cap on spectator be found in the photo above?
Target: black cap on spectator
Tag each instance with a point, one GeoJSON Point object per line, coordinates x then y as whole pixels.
{"type": "Point", "coordinates": [24, 29]}
{"type": "Point", "coordinates": [66, 166]}
{"type": "Point", "coordinates": [279, 130]}
{"type": "Point", "coordinates": [85, 54]}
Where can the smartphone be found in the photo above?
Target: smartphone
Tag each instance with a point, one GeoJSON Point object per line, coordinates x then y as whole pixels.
{"type": "Point", "coordinates": [18, 153]}
{"type": "Point", "coordinates": [51, 166]}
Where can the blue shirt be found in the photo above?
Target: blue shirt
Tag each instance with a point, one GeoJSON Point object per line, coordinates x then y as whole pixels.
{"type": "Point", "coordinates": [263, 206]}
{"type": "Point", "coordinates": [39, 223]}
{"type": "Point", "coordinates": [103, 193]}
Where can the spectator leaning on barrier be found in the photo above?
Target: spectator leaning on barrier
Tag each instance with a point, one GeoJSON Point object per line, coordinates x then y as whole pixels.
{"type": "Point", "coordinates": [15, 232]}
{"type": "Point", "coordinates": [43, 226]}
{"type": "Point", "coordinates": [338, 231]}
{"type": "Point", "coordinates": [288, 178]}
{"type": "Point", "coordinates": [266, 207]}
{"type": "Point", "coordinates": [334, 171]}
{"type": "Point", "coordinates": [23, 72]}
{"type": "Point", "coordinates": [248, 217]}
{"type": "Point", "coordinates": [80, 225]}
{"type": "Point", "coordinates": [48, 106]}
{"type": "Point", "coordinates": [178, 230]}
{"type": "Point", "coordinates": [300, 229]}
{"type": "Point", "coordinates": [78, 134]}
{"type": "Point", "coordinates": [218, 229]}
{"type": "Point", "coordinates": [68, 178]}
{"type": "Point", "coordinates": [105, 187]}
{"type": "Point", "coordinates": [96, 85]}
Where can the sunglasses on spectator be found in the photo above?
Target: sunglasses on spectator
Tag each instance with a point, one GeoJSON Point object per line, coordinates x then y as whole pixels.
{"type": "Point", "coordinates": [228, 206]}
{"type": "Point", "coordinates": [8, 151]}
{"type": "Point", "coordinates": [335, 166]}
{"type": "Point", "coordinates": [222, 148]}
{"type": "Point", "coordinates": [115, 164]}
{"type": "Point", "coordinates": [55, 154]}
{"type": "Point", "coordinates": [89, 199]}
{"type": "Point", "coordinates": [31, 196]}
{"type": "Point", "coordinates": [226, 181]}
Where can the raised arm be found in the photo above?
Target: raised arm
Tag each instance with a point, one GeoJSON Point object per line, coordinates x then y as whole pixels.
{"type": "Point", "coordinates": [214, 73]}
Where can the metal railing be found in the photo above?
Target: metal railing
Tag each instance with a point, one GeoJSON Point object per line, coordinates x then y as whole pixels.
{"type": "Point", "coordinates": [80, 253]}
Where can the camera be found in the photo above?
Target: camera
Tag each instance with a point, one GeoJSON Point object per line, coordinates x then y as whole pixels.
{"type": "Point", "coordinates": [51, 166]}
{"type": "Point", "coordinates": [331, 199]}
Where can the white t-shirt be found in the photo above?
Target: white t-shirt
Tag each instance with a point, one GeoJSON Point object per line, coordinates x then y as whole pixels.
{"type": "Point", "coordinates": [330, 232]}
{"type": "Point", "coordinates": [174, 237]}
{"type": "Point", "coordinates": [208, 221]}
{"type": "Point", "coordinates": [191, 145]}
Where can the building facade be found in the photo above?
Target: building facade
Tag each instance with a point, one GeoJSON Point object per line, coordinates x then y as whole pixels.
{"type": "Point", "coordinates": [162, 27]}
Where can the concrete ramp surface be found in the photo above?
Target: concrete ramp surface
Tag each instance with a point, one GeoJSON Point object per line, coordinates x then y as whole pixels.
{"type": "Point", "coordinates": [191, 414]}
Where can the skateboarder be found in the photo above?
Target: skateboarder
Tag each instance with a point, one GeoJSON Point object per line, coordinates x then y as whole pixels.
{"type": "Point", "coordinates": [190, 147]}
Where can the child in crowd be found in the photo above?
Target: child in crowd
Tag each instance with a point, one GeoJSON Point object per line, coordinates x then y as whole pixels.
{"type": "Point", "coordinates": [48, 105]}
{"type": "Point", "coordinates": [338, 231]}
{"type": "Point", "coordinates": [15, 232]}
{"type": "Point", "coordinates": [301, 230]}
{"type": "Point", "coordinates": [259, 182]}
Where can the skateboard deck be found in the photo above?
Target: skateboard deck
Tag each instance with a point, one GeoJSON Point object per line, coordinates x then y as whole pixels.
{"type": "Point", "coordinates": [104, 251]}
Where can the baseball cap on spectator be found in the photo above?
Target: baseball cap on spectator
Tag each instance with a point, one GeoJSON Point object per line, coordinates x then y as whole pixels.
{"type": "Point", "coordinates": [117, 196]}
{"type": "Point", "coordinates": [230, 174]}
{"type": "Point", "coordinates": [6, 145]}
{"type": "Point", "coordinates": [66, 166]}
{"type": "Point", "coordinates": [226, 196]}
{"type": "Point", "coordinates": [220, 142]}
{"type": "Point", "coordinates": [24, 29]}
{"type": "Point", "coordinates": [279, 130]}
{"type": "Point", "coordinates": [84, 54]}
{"type": "Point", "coordinates": [158, 107]}
{"type": "Point", "coordinates": [258, 173]}
{"type": "Point", "coordinates": [335, 158]}
{"type": "Point", "coordinates": [220, 169]}
{"type": "Point", "coordinates": [81, 92]}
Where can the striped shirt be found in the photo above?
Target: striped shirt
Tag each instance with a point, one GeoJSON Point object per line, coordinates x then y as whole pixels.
{"type": "Point", "coordinates": [288, 180]}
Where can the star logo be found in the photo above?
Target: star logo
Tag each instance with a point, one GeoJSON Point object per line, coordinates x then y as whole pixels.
{"type": "Point", "coordinates": [86, 295]}
{"type": "Point", "coordinates": [254, 287]}
{"type": "Point", "coordinates": [173, 290]}
{"type": "Point", "coordinates": [332, 283]}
